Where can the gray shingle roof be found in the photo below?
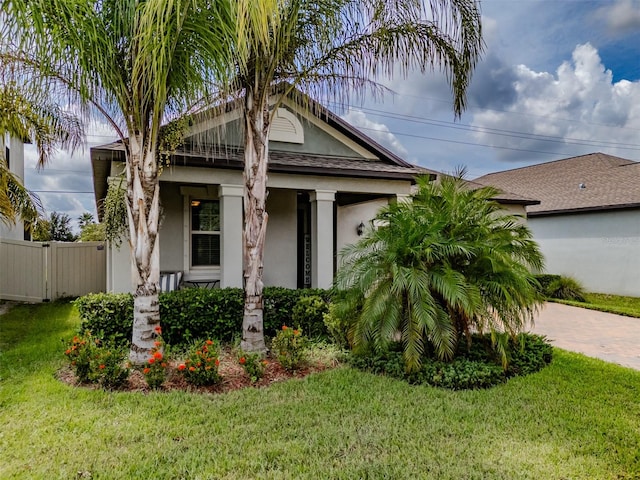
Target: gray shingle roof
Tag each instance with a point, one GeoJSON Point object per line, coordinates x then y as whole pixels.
{"type": "Point", "coordinates": [290, 162]}
{"type": "Point", "coordinates": [589, 182]}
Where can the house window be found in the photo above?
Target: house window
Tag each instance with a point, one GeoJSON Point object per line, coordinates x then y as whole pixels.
{"type": "Point", "coordinates": [205, 233]}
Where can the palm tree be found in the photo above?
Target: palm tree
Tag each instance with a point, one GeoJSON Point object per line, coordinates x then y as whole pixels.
{"type": "Point", "coordinates": [331, 48]}
{"type": "Point", "coordinates": [26, 114]}
{"type": "Point", "coordinates": [138, 63]}
{"type": "Point", "coordinates": [440, 268]}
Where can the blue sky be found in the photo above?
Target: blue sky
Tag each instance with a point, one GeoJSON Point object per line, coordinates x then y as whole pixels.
{"type": "Point", "coordinates": [558, 78]}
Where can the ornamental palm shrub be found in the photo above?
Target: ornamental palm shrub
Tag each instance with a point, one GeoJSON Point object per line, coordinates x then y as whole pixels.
{"type": "Point", "coordinates": [448, 264]}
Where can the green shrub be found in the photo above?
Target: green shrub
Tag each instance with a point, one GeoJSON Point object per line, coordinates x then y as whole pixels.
{"type": "Point", "coordinates": [566, 288]}
{"type": "Point", "coordinates": [192, 313]}
{"type": "Point", "coordinates": [279, 304]}
{"type": "Point", "coordinates": [201, 365]}
{"type": "Point", "coordinates": [199, 313]}
{"type": "Point", "coordinates": [308, 314]}
{"type": "Point", "coordinates": [253, 364]}
{"type": "Point", "coordinates": [289, 348]}
{"type": "Point", "coordinates": [460, 374]}
{"type": "Point", "coordinates": [108, 313]}
{"type": "Point", "coordinates": [545, 279]}
{"type": "Point", "coordinates": [473, 368]}
{"type": "Point", "coordinates": [529, 354]}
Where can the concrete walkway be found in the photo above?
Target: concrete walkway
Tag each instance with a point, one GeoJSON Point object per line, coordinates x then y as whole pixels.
{"type": "Point", "coordinates": [613, 338]}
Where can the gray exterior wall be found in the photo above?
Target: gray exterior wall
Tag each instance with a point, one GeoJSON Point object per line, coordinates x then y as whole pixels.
{"type": "Point", "coordinates": [350, 216]}
{"type": "Point", "coordinates": [16, 165]}
{"type": "Point", "coordinates": [281, 259]}
{"type": "Point", "coordinates": [600, 249]}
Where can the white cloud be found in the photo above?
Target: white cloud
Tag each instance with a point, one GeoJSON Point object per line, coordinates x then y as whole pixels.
{"type": "Point", "coordinates": [623, 15]}
{"type": "Point", "coordinates": [378, 131]}
{"type": "Point", "coordinates": [578, 104]}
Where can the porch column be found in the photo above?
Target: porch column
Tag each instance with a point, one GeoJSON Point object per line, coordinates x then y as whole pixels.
{"type": "Point", "coordinates": [403, 198]}
{"type": "Point", "coordinates": [231, 233]}
{"type": "Point", "coordinates": [322, 238]}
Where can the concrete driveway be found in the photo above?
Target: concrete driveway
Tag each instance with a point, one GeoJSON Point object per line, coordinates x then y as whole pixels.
{"type": "Point", "coordinates": [613, 338]}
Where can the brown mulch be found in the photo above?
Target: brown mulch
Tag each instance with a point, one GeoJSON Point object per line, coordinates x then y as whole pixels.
{"type": "Point", "coordinates": [232, 373]}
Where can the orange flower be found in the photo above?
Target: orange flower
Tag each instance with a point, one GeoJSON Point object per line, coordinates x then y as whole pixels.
{"type": "Point", "coordinates": [265, 362]}
{"type": "Point", "coordinates": [182, 366]}
{"type": "Point", "coordinates": [209, 342]}
{"type": "Point", "coordinates": [199, 364]}
{"type": "Point", "coordinates": [192, 369]}
{"type": "Point", "coordinates": [296, 332]}
{"type": "Point", "coordinates": [146, 371]}
{"type": "Point", "coordinates": [217, 362]}
{"type": "Point", "coordinates": [163, 365]}
{"type": "Point", "coordinates": [198, 352]}
{"type": "Point", "coordinates": [157, 355]}
{"type": "Point", "coordinates": [284, 327]}
{"type": "Point", "coordinates": [67, 352]}
{"type": "Point", "coordinates": [158, 329]}
{"type": "Point", "coordinates": [151, 360]}
{"type": "Point", "coordinates": [242, 360]}
{"type": "Point", "coordinates": [157, 344]}
{"type": "Point", "coordinates": [101, 367]}
{"type": "Point", "coordinates": [207, 367]}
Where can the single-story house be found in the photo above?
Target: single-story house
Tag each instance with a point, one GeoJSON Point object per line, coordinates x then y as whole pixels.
{"type": "Point", "coordinates": [588, 220]}
{"type": "Point", "coordinates": [326, 181]}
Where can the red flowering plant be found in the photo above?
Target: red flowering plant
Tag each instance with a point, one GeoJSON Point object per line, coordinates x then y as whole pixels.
{"type": "Point", "coordinates": [253, 364]}
{"type": "Point", "coordinates": [80, 351]}
{"type": "Point", "coordinates": [289, 347]}
{"type": "Point", "coordinates": [95, 361]}
{"type": "Point", "coordinates": [155, 368]}
{"type": "Point", "coordinates": [201, 364]}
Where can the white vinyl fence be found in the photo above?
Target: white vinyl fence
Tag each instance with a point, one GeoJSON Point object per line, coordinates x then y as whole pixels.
{"type": "Point", "coordinates": [44, 271]}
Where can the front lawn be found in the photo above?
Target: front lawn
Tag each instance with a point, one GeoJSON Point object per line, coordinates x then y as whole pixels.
{"type": "Point", "coordinates": [628, 306]}
{"type": "Point", "coordinates": [578, 418]}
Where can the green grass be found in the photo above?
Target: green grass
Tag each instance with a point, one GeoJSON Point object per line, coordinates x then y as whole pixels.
{"type": "Point", "coordinates": [577, 419]}
{"type": "Point", "coordinates": [628, 306]}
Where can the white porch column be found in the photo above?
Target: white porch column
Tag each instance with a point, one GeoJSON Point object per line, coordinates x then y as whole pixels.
{"type": "Point", "coordinates": [231, 233]}
{"type": "Point", "coordinates": [403, 198]}
{"type": "Point", "coordinates": [322, 238]}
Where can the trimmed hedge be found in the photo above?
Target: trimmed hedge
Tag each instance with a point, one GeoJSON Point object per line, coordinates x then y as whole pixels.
{"type": "Point", "coordinates": [476, 368]}
{"type": "Point", "coordinates": [195, 313]}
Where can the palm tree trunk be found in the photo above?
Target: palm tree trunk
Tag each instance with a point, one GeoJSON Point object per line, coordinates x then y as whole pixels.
{"type": "Point", "coordinates": [256, 154]}
{"type": "Point", "coordinates": [143, 202]}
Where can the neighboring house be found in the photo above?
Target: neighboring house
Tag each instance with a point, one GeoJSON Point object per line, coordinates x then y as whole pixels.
{"type": "Point", "coordinates": [14, 154]}
{"type": "Point", "coordinates": [588, 219]}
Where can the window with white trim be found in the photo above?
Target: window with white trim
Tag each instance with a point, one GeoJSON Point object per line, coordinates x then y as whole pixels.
{"type": "Point", "coordinates": [205, 233]}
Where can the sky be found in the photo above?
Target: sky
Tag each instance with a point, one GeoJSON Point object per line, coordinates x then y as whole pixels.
{"type": "Point", "coordinates": [557, 79]}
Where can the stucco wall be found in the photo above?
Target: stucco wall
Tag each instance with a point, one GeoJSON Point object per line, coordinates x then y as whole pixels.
{"type": "Point", "coordinates": [602, 250]}
{"type": "Point", "coordinates": [16, 165]}
{"type": "Point", "coordinates": [119, 269]}
{"type": "Point", "coordinates": [171, 228]}
{"type": "Point", "coordinates": [350, 216]}
{"type": "Point", "coordinates": [280, 259]}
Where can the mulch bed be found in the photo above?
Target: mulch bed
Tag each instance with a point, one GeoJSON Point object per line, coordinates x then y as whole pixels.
{"type": "Point", "coordinates": [233, 377]}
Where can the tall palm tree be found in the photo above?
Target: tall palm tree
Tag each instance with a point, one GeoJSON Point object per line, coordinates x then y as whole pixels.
{"type": "Point", "coordinates": [437, 269]}
{"type": "Point", "coordinates": [26, 114]}
{"type": "Point", "coordinates": [331, 48]}
{"type": "Point", "coordinates": [138, 63]}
